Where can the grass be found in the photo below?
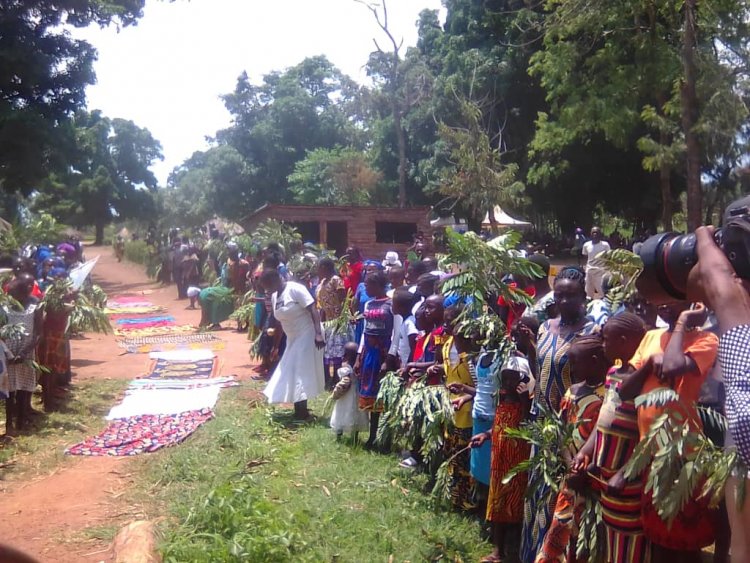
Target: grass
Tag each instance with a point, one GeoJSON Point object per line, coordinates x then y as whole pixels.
{"type": "Point", "coordinates": [252, 486]}
{"type": "Point", "coordinates": [41, 447]}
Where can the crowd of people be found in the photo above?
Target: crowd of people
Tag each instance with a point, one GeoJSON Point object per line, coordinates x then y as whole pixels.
{"type": "Point", "coordinates": [36, 334]}
{"type": "Point", "coordinates": [345, 325]}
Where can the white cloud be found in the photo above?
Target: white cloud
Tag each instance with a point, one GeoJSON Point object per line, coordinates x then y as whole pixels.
{"type": "Point", "coordinates": [168, 72]}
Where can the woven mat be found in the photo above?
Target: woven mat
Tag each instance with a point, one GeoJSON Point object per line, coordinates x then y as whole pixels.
{"type": "Point", "coordinates": [154, 331]}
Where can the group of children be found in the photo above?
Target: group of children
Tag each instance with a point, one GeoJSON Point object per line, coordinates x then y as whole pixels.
{"type": "Point", "coordinates": [586, 373]}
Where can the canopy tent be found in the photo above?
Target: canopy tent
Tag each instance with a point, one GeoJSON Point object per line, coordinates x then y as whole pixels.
{"type": "Point", "coordinates": [502, 219]}
{"type": "Point", "coordinates": [449, 223]}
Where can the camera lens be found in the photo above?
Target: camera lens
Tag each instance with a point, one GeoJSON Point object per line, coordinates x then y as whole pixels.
{"type": "Point", "coordinates": [667, 261]}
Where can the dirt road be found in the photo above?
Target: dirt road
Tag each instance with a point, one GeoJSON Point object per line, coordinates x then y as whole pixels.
{"type": "Point", "coordinates": [46, 516]}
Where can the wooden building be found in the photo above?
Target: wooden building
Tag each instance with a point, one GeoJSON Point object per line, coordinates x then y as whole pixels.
{"type": "Point", "coordinates": [375, 230]}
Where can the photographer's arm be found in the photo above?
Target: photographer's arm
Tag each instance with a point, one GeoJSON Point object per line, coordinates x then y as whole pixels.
{"type": "Point", "coordinates": [714, 278]}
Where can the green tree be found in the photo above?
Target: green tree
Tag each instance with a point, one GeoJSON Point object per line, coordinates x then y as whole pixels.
{"type": "Point", "coordinates": [311, 105]}
{"type": "Point", "coordinates": [109, 176]}
{"type": "Point", "coordinates": [478, 178]}
{"type": "Point", "coordinates": [622, 71]}
{"type": "Point", "coordinates": [334, 177]}
{"type": "Point", "coordinates": [43, 75]}
{"type": "Point", "coordinates": [215, 182]}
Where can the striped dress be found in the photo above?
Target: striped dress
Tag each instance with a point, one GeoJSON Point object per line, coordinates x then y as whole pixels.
{"type": "Point", "coordinates": [616, 438]}
{"type": "Point", "coordinates": [554, 381]}
{"type": "Point", "coordinates": [579, 407]}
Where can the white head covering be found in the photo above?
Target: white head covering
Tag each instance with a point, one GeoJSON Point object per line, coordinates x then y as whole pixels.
{"type": "Point", "coordinates": [521, 365]}
{"type": "Point", "coordinates": [391, 259]}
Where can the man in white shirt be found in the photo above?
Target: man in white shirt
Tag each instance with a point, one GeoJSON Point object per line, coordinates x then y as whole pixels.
{"type": "Point", "coordinates": [591, 249]}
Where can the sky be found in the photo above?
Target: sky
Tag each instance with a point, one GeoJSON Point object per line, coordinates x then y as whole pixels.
{"type": "Point", "coordinates": [167, 73]}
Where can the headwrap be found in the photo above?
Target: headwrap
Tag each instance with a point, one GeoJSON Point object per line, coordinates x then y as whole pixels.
{"type": "Point", "coordinates": [375, 263]}
{"type": "Point", "coordinates": [58, 273]}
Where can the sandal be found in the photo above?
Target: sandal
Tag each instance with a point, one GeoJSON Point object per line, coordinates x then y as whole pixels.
{"type": "Point", "coordinates": [491, 559]}
{"type": "Point", "coordinates": [408, 463]}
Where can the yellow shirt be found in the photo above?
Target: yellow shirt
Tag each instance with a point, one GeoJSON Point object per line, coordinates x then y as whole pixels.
{"type": "Point", "coordinates": [457, 371]}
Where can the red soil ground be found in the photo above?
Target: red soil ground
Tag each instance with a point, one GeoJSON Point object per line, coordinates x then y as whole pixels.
{"type": "Point", "coordinates": [45, 516]}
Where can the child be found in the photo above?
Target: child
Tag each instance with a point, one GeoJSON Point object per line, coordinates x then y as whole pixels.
{"type": "Point", "coordinates": [612, 444]}
{"type": "Point", "coordinates": [405, 339]}
{"type": "Point", "coordinates": [460, 380]}
{"type": "Point", "coordinates": [346, 416]}
{"type": "Point", "coordinates": [580, 407]}
{"type": "Point", "coordinates": [505, 501]}
{"type": "Point", "coordinates": [374, 345]}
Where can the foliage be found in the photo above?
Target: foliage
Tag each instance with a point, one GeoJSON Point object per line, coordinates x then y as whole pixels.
{"type": "Point", "coordinates": [50, 71]}
{"type": "Point", "coordinates": [591, 544]}
{"type": "Point", "coordinates": [346, 319]}
{"type": "Point", "coordinates": [549, 435]}
{"type": "Point", "coordinates": [334, 177]}
{"type": "Point", "coordinates": [624, 267]}
{"type": "Point", "coordinates": [678, 462]}
{"type": "Point", "coordinates": [272, 230]}
{"type": "Point", "coordinates": [87, 306]}
{"type": "Point", "coordinates": [33, 229]}
{"type": "Point", "coordinates": [110, 164]}
{"type": "Point", "coordinates": [477, 176]}
{"type": "Point", "coordinates": [484, 266]}
{"type": "Point", "coordinates": [421, 411]}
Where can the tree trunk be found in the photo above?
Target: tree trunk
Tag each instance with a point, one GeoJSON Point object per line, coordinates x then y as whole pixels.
{"type": "Point", "coordinates": [401, 137]}
{"type": "Point", "coordinates": [665, 173]}
{"type": "Point", "coordinates": [689, 104]}
{"type": "Point", "coordinates": [99, 233]}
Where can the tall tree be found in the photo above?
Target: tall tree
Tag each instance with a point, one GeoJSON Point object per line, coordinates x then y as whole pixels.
{"type": "Point", "coordinates": [109, 175]}
{"type": "Point", "coordinates": [388, 65]}
{"type": "Point", "coordinates": [43, 75]}
{"type": "Point", "coordinates": [478, 178]}
{"type": "Point", "coordinates": [334, 177]}
{"type": "Point", "coordinates": [308, 106]}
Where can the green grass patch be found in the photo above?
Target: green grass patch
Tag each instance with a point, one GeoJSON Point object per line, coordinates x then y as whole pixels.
{"type": "Point", "coordinates": [252, 486]}
{"type": "Point", "coordinates": [41, 447]}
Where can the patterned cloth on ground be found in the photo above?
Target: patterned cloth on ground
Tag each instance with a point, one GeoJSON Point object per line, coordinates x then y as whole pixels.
{"type": "Point", "coordinates": [166, 342]}
{"type": "Point", "coordinates": [125, 320]}
{"type": "Point", "coordinates": [181, 370]}
{"type": "Point", "coordinates": [154, 331]}
{"type": "Point", "coordinates": [143, 433]}
{"type": "Point", "coordinates": [139, 310]}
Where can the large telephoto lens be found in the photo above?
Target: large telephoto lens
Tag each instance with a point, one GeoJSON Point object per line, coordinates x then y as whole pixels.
{"type": "Point", "coordinates": [667, 261]}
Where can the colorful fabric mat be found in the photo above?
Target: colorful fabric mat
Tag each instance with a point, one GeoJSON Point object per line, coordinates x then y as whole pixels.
{"type": "Point", "coordinates": [131, 332]}
{"type": "Point", "coordinates": [129, 320]}
{"type": "Point", "coordinates": [166, 342]}
{"type": "Point", "coordinates": [161, 369]}
{"type": "Point", "coordinates": [141, 434]}
{"type": "Point", "coordinates": [140, 310]}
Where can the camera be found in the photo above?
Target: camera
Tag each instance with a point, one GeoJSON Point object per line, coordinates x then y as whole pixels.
{"type": "Point", "coordinates": [669, 257]}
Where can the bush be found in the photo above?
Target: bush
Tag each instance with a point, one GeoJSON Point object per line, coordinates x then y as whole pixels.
{"type": "Point", "coordinates": [137, 251]}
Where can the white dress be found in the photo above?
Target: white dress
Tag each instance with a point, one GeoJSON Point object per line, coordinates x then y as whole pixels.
{"type": "Point", "coordinates": [346, 416]}
{"type": "Point", "coordinates": [299, 375]}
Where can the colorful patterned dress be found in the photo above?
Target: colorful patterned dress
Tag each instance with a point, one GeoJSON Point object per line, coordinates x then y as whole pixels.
{"type": "Point", "coordinates": [505, 502]}
{"type": "Point", "coordinates": [580, 407]}
{"type": "Point", "coordinates": [22, 377]}
{"type": "Point", "coordinates": [616, 438]}
{"type": "Point", "coordinates": [327, 298]}
{"type": "Point", "coordinates": [554, 381]}
{"type": "Point", "coordinates": [376, 340]}
{"type": "Point", "coordinates": [53, 350]}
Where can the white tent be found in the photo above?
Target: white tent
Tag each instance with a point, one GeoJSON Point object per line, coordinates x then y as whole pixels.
{"type": "Point", "coordinates": [450, 223]}
{"type": "Point", "coordinates": [502, 219]}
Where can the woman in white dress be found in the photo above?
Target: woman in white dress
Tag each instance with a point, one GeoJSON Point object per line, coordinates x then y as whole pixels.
{"type": "Point", "coordinates": [299, 375]}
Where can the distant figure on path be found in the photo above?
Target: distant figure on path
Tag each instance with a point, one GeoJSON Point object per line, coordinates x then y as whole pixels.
{"type": "Point", "coordinates": [591, 250]}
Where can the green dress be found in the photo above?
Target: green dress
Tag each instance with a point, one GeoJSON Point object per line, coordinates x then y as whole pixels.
{"type": "Point", "coordinates": [217, 303]}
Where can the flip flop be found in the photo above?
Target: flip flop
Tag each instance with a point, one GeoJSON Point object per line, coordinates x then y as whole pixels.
{"type": "Point", "coordinates": [490, 559]}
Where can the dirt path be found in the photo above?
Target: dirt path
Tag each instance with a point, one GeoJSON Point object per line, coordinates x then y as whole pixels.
{"type": "Point", "coordinates": [46, 516]}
